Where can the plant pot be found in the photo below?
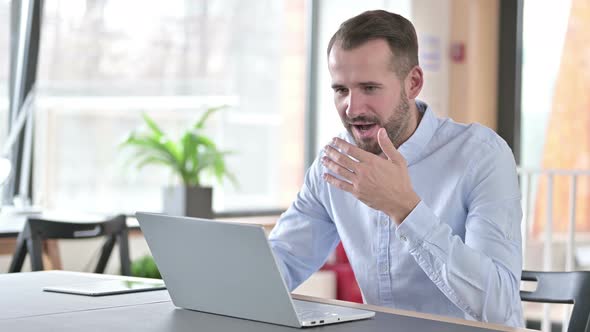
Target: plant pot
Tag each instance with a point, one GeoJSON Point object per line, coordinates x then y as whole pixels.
{"type": "Point", "coordinates": [188, 201]}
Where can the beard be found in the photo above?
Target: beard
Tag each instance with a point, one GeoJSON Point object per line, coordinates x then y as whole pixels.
{"type": "Point", "coordinates": [395, 126]}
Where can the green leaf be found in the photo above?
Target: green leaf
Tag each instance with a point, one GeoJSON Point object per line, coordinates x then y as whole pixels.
{"type": "Point", "coordinates": [187, 157]}
{"type": "Point", "coordinates": [150, 160]}
{"type": "Point", "coordinates": [201, 122]}
{"type": "Point", "coordinates": [152, 124]}
{"type": "Point", "coordinates": [145, 267]}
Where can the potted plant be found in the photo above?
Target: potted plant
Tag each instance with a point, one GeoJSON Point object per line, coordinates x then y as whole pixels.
{"type": "Point", "coordinates": [145, 267]}
{"type": "Point", "coordinates": [188, 158]}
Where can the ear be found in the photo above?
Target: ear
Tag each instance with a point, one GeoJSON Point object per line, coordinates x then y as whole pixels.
{"type": "Point", "coordinates": [413, 82]}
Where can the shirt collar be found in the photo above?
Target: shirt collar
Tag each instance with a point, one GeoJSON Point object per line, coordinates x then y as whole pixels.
{"type": "Point", "coordinates": [412, 148]}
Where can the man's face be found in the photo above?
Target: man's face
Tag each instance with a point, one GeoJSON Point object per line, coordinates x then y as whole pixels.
{"type": "Point", "coordinates": [368, 94]}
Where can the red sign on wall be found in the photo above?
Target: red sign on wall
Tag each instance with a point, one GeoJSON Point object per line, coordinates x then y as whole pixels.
{"type": "Point", "coordinates": [458, 52]}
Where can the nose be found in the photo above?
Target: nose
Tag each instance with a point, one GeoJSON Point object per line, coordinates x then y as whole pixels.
{"type": "Point", "coordinates": [354, 105]}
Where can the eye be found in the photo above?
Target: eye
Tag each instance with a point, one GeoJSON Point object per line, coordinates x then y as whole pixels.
{"type": "Point", "coordinates": [340, 90]}
{"type": "Point", "coordinates": [369, 88]}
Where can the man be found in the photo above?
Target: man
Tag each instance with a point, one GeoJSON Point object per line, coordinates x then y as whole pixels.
{"type": "Point", "coordinates": [428, 210]}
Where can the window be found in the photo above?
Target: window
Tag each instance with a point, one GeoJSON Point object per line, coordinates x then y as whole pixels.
{"type": "Point", "coordinates": [99, 69]}
{"type": "Point", "coordinates": [537, 95]}
{"type": "Point", "coordinates": [555, 117]}
{"type": "Point", "coordinates": [4, 66]}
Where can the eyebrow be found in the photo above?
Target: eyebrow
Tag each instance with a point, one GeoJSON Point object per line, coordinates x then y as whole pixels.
{"type": "Point", "coordinates": [368, 83]}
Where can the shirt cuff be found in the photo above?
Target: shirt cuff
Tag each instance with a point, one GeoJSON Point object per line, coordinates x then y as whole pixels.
{"type": "Point", "coordinates": [417, 225]}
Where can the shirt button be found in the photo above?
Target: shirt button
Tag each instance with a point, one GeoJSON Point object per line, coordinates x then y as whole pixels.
{"type": "Point", "coordinates": [403, 238]}
{"type": "Point", "coordinates": [383, 268]}
{"type": "Point", "coordinates": [384, 223]}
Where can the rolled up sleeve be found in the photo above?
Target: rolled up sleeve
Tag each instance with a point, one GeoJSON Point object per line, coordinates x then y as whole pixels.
{"type": "Point", "coordinates": [480, 275]}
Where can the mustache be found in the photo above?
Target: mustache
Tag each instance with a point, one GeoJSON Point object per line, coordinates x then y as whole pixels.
{"type": "Point", "coordinates": [362, 118]}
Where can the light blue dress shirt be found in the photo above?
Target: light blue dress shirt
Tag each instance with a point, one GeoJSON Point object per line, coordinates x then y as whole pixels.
{"type": "Point", "coordinates": [458, 253]}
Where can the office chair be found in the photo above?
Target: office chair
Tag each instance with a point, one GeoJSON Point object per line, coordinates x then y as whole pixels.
{"type": "Point", "coordinates": [37, 229]}
{"type": "Point", "coordinates": [347, 289]}
{"type": "Point", "coordinates": [562, 287]}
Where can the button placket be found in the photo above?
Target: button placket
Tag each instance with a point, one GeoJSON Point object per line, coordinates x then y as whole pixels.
{"type": "Point", "coordinates": [383, 260]}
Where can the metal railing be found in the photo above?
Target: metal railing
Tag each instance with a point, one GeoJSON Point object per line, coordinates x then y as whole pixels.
{"type": "Point", "coordinates": [528, 179]}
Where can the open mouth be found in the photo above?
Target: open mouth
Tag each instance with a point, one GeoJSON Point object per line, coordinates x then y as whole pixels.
{"type": "Point", "coordinates": [365, 130]}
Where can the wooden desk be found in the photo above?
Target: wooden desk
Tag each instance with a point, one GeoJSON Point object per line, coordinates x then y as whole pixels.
{"type": "Point", "coordinates": [25, 307]}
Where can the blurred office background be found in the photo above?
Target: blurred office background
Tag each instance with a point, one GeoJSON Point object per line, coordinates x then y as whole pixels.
{"type": "Point", "coordinates": [99, 68]}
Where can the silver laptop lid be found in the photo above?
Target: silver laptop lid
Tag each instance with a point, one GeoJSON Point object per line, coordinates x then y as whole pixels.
{"type": "Point", "coordinates": [218, 267]}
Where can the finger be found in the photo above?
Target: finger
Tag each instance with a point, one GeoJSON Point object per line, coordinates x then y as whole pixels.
{"type": "Point", "coordinates": [341, 184]}
{"type": "Point", "coordinates": [387, 146]}
{"type": "Point", "coordinates": [338, 169]}
{"type": "Point", "coordinates": [351, 150]}
{"type": "Point", "coordinates": [340, 158]}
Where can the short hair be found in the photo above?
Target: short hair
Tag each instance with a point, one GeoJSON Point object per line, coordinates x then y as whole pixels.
{"type": "Point", "coordinates": [397, 31]}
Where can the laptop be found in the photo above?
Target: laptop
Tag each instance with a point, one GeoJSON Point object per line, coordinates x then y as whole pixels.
{"type": "Point", "coordinates": [229, 269]}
